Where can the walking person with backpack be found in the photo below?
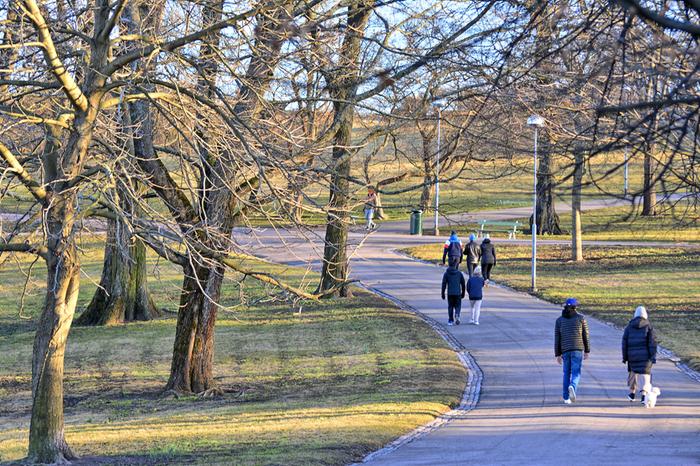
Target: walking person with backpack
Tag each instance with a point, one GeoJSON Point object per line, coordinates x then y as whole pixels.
{"type": "Point", "coordinates": [639, 353]}
{"type": "Point", "coordinates": [475, 288]}
{"type": "Point", "coordinates": [488, 258]}
{"type": "Point", "coordinates": [453, 283]}
{"type": "Point", "coordinates": [452, 251]}
{"type": "Point", "coordinates": [473, 252]}
{"type": "Point", "coordinates": [571, 347]}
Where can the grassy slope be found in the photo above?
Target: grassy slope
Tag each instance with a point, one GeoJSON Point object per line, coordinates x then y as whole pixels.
{"type": "Point", "coordinates": [611, 283]}
{"type": "Point", "coordinates": [324, 386]}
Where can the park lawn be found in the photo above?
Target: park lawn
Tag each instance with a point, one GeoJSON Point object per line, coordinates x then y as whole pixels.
{"type": "Point", "coordinates": [611, 283]}
{"type": "Point", "coordinates": [325, 385]}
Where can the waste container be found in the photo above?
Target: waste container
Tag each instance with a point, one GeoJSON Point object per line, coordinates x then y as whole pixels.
{"type": "Point", "coordinates": [417, 222]}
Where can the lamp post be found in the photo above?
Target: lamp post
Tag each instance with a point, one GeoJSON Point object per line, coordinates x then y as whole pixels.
{"type": "Point", "coordinates": [437, 105]}
{"type": "Point", "coordinates": [626, 171]}
{"type": "Point", "coordinates": [536, 122]}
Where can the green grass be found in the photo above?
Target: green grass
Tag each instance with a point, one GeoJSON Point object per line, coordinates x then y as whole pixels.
{"type": "Point", "coordinates": [611, 283]}
{"type": "Point", "coordinates": [322, 386]}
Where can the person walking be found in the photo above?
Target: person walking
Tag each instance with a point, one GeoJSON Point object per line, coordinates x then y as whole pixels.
{"type": "Point", "coordinates": [488, 258]}
{"type": "Point", "coordinates": [639, 353]}
{"type": "Point", "coordinates": [473, 252]}
{"type": "Point", "coordinates": [571, 347]}
{"type": "Point", "coordinates": [370, 206]}
{"type": "Point", "coordinates": [452, 249]}
{"type": "Point", "coordinates": [453, 283]}
{"type": "Point", "coordinates": [475, 288]}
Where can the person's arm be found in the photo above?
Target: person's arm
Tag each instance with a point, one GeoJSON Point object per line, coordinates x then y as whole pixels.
{"type": "Point", "coordinates": [586, 340]}
{"type": "Point", "coordinates": [494, 255]}
{"type": "Point", "coordinates": [444, 254]}
{"type": "Point", "coordinates": [651, 343]}
{"type": "Point", "coordinates": [462, 284]}
{"type": "Point", "coordinates": [625, 337]}
{"type": "Point", "coordinates": [557, 340]}
{"type": "Point", "coordinates": [444, 285]}
{"type": "Point", "coordinates": [469, 285]}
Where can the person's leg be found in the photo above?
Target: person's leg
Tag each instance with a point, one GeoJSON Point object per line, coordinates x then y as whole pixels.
{"type": "Point", "coordinates": [486, 270]}
{"type": "Point", "coordinates": [566, 363]}
{"type": "Point", "coordinates": [632, 384]}
{"type": "Point", "coordinates": [458, 308]}
{"type": "Point", "coordinates": [472, 302]}
{"type": "Point", "coordinates": [576, 363]}
{"type": "Point", "coordinates": [470, 269]}
{"type": "Point", "coordinates": [645, 382]}
{"type": "Point", "coordinates": [477, 311]}
{"type": "Point", "coordinates": [450, 308]}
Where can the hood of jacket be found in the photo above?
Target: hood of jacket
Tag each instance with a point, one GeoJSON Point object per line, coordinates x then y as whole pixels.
{"type": "Point", "coordinates": [568, 312]}
{"type": "Point", "coordinates": [639, 322]}
{"type": "Point", "coordinates": [452, 271]}
{"type": "Point", "coordinates": [454, 239]}
{"type": "Point", "coordinates": [486, 241]}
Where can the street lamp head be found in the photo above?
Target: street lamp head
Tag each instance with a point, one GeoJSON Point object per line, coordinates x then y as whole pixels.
{"type": "Point", "coordinates": [536, 121]}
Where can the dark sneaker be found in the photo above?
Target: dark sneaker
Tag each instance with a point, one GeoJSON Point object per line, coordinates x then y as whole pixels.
{"type": "Point", "coordinates": [630, 396]}
{"type": "Point", "coordinates": [572, 394]}
{"type": "Point", "coordinates": [643, 398]}
{"type": "Point", "coordinates": [457, 322]}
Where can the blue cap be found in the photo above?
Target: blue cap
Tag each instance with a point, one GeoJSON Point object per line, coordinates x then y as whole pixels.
{"type": "Point", "coordinates": [472, 237]}
{"type": "Point", "coordinates": [571, 302]}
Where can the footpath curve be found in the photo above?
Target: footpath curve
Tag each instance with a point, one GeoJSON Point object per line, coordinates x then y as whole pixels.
{"type": "Point", "coordinates": [520, 418]}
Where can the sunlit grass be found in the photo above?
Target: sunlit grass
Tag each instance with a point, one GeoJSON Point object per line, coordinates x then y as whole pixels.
{"type": "Point", "coordinates": [322, 386]}
{"type": "Point", "coordinates": [611, 282]}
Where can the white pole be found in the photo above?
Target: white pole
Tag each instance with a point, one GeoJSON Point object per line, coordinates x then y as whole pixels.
{"type": "Point", "coordinates": [626, 170]}
{"type": "Point", "coordinates": [534, 221]}
{"type": "Point", "coordinates": [437, 175]}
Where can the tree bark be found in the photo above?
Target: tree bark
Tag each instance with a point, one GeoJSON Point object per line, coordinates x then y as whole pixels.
{"type": "Point", "coordinates": [547, 218]}
{"type": "Point", "coordinates": [428, 176]}
{"type": "Point", "coordinates": [47, 443]}
{"type": "Point", "coordinates": [343, 91]}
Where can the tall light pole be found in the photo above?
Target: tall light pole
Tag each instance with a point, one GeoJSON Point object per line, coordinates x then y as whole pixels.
{"type": "Point", "coordinates": [536, 122]}
{"type": "Point", "coordinates": [626, 171]}
{"type": "Point", "coordinates": [437, 169]}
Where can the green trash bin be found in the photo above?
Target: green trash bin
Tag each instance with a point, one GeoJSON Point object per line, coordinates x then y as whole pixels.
{"type": "Point", "coordinates": [417, 222]}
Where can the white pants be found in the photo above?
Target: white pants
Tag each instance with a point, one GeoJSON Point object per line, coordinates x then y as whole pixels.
{"type": "Point", "coordinates": [476, 309]}
{"type": "Point", "coordinates": [641, 381]}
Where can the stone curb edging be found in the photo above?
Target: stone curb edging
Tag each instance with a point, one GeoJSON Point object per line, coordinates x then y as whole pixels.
{"type": "Point", "coordinates": [664, 352]}
{"type": "Point", "coordinates": [470, 396]}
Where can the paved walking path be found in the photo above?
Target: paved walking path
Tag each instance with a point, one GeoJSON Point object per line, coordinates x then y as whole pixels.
{"type": "Point", "coordinates": [520, 418]}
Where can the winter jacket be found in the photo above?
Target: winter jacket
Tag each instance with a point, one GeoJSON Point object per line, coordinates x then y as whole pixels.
{"type": "Point", "coordinates": [452, 249]}
{"type": "Point", "coordinates": [639, 346]}
{"type": "Point", "coordinates": [473, 252]}
{"type": "Point", "coordinates": [571, 333]}
{"type": "Point", "coordinates": [488, 252]}
{"type": "Point", "coordinates": [453, 280]}
{"type": "Point", "coordinates": [475, 288]}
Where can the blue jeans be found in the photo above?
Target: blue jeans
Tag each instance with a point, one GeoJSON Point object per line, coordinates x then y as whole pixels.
{"type": "Point", "coordinates": [572, 361]}
{"type": "Point", "coordinates": [369, 215]}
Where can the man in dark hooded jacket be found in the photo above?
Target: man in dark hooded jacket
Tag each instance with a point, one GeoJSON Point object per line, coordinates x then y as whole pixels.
{"type": "Point", "coordinates": [639, 352]}
{"type": "Point", "coordinates": [453, 282]}
{"type": "Point", "coordinates": [571, 347]}
{"type": "Point", "coordinates": [488, 258]}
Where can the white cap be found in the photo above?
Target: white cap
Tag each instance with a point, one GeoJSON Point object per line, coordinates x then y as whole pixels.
{"type": "Point", "coordinates": [641, 311]}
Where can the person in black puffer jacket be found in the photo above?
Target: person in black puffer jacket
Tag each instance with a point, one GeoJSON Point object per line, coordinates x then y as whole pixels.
{"type": "Point", "coordinates": [453, 283]}
{"type": "Point", "coordinates": [488, 258]}
{"type": "Point", "coordinates": [639, 353]}
{"type": "Point", "coordinates": [571, 347]}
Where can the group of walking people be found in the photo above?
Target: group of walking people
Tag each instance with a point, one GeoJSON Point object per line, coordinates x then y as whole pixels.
{"type": "Point", "coordinates": [455, 287]}
{"type": "Point", "coordinates": [572, 346]}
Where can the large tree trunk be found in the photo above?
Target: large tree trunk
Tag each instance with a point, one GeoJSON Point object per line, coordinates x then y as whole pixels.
{"type": "Point", "coordinates": [47, 443]}
{"type": "Point", "coordinates": [547, 218]}
{"type": "Point", "coordinates": [576, 232]}
{"type": "Point", "coordinates": [122, 295]}
{"type": "Point", "coordinates": [334, 273]}
{"type": "Point", "coordinates": [335, 262]}
{"type": "Point", "coordinates": [428, 176]}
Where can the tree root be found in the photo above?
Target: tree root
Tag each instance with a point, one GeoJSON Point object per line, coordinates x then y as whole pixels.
{"type": "Point", "coordinates": [214, 392]}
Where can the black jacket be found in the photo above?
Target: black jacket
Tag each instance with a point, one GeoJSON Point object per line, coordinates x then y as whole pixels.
{"type": "Point", "coordinates": [453, 250]}
{"type": "Point", "coordinates": [453, 280]}
{"type": "Point", "coordinates": [639, 346]}
{"type": "Point", "coordinates": [571, 333]}
{"type": "Point", "coordinates": [473, 252]}
{"type": "Point", "coordinates": [488, 252]}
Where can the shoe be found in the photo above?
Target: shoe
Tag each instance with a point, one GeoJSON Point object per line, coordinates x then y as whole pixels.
{"type": "Point", "coordinates": [630, 396]}
{"type": "Point", "coordinates": [476, 323]}
{"type": "Point", "coordinates": [567, 402]}
{"type": "Point", "coordinates": [642, 400]}
{"type": "Point", "coordinates": [471, 321]}
{"type": "Point", "coordinates": [572, 393]}
{"type": "Point", "coordinates": [457, 322]}
{"type": "Point", "coordinates": [450, 324]}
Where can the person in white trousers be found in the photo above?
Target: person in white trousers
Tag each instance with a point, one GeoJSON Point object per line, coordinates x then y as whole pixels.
{"type": "Point", "coordinates": [475, 288]}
